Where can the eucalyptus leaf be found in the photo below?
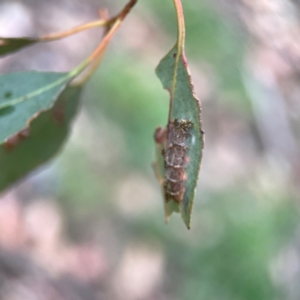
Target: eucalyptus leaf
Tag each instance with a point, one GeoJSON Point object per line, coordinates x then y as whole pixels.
{"type": "Point", "coordinates": [184, 106]}
{"type": "Point", "coordinates": [41, 140]}
{"type": "Point", "coordinates": [24, 95]}
{"type": "Point", "coordinates": [10, 45]}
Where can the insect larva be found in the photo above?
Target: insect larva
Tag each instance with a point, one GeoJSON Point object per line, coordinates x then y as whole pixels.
{"type": "Point", "coordinates": [175, 156]}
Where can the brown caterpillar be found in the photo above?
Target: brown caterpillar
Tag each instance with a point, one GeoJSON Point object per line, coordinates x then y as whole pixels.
{"type": "Point", "coordinates": [175, 156]}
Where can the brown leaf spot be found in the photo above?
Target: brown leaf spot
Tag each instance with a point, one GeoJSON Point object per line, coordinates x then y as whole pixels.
{"type": "Point", "coordinates": [12, 142]}
{"type": "Point", "coordinates": [59, 114]}
{"type": "Point", "coordinates": [15, 140]}
{"type": "Point", "coordinates": [24, 133]}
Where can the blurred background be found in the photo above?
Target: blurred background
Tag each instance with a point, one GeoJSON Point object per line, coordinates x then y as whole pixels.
{"type": "Point", "coordinates": [90, 223]}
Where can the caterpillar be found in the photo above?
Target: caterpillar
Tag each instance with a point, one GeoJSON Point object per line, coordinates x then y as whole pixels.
{"type": "Point", "coordinates": [175, 159]}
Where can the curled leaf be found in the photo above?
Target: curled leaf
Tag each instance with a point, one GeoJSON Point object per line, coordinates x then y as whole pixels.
{"type": "Point", "coordinates": [179, 154]}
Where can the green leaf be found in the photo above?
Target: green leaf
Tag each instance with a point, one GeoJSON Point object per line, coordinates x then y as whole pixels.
{"type": "Point", "coordinates": [10, 45]}
{"type": "Point", "coordinates": [184, 106]}
{"type": "Point", "coordinates": [44, 137]}
{"type": "Point", "coordinates": [24, 95]}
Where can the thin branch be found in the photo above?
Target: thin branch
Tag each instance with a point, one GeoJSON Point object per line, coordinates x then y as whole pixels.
{"type": "Point", "coordinates": [93, 24]}
{"type": "Point", "coordinates": [66, 33]}
{"type": "Point", "coordinates": [102, 46]}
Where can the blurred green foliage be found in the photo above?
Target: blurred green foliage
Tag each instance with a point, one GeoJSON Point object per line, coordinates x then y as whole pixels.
{"type": "Point", "coordinates": [236, 233]}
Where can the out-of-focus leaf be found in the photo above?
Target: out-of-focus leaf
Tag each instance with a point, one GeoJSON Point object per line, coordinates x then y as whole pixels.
{"type": "Point", "coordinates": [174, 75]}
{"type": "Point", "coordinates": [24, 95]}
{"type": "Point", "coordinates": [40, 141]}
{"type": "Point", "coordinates": [10, 45]}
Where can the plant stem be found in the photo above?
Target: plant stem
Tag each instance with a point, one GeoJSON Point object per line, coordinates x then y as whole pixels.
{"type": "Point", "coordinates": [66, 33]}
{"type": "Point", "coordinates": [94, 65]}
{"type": "Point", "coordinates": [180, 49]}
{"type": "Point", "coordinates": [111, 31]}
{"type": "Point", "coordinates": [93, 24]}
{"type": "Point", "coordinates": [99, 51]}
{"type": "Point", "coordinates": [181, 25]}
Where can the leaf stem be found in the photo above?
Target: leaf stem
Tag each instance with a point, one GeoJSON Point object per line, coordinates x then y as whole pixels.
{"type": "Point", "coordinates": [66, 33]}
{"type": "Point", "coordinates": [180, 48]}
{"type": "Point", "coordinates": [102, 46]}
{"type": "Point", "coordinates": [93, 24]}
{"type": "Point", "coordinates": [103, 13]}
{"type": "Point", "coordinates": [99, 51]}
{"type": "Point", "coordinates": [181, 25]}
